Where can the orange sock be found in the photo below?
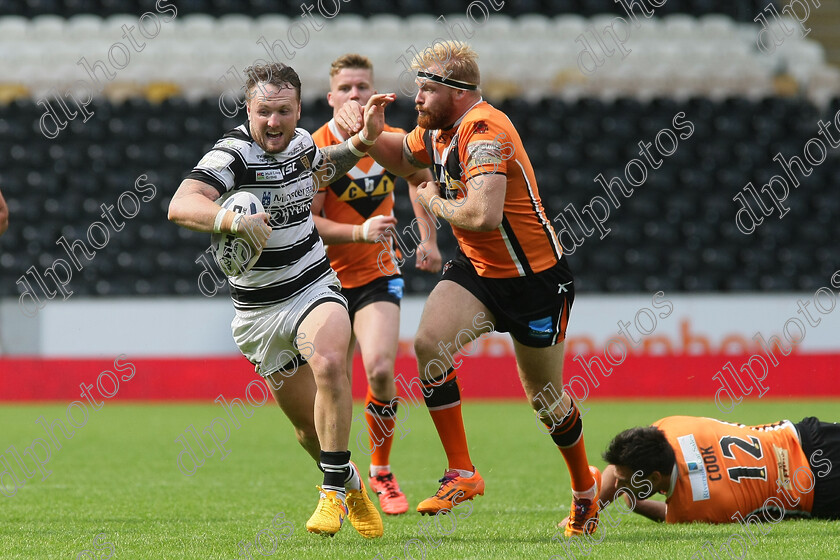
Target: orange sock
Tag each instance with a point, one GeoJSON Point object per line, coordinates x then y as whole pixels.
{"type": "Point", "coordinates": [444, 405]}
{"type": "Point", "coordinates": [568, 436]}
{"type": "Point", "coordinates": [380, 420]}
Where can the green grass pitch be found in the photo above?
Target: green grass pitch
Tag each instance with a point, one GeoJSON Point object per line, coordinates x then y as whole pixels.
{"type": "Point", "coordinates": [117, 478]}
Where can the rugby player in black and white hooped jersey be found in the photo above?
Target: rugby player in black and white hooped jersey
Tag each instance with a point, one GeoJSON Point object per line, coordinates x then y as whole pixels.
{"type": "Point", "coordinates": [291, 321]}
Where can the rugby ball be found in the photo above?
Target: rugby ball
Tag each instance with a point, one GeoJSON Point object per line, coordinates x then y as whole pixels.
{"type": "Point", "coordinates": [232, 253]}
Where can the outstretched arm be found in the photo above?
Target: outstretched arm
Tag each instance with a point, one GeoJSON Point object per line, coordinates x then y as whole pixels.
{"type": "Point", "coordinates": [341, 158]}
{"type": "Point", "coordinates": [389, 151]}
{"type": "Point", "coordinates": [652, 509]}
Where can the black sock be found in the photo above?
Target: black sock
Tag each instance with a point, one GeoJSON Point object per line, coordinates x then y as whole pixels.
{"type": "Point", "coordinates": [336, 467]}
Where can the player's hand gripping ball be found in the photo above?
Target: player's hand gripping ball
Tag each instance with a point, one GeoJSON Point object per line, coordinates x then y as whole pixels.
{"type": "Point", "coordinates": [234, 255]}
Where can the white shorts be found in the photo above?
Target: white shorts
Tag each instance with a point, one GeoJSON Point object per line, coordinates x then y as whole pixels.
{"type": "Point", "coordinates": [266, 336]}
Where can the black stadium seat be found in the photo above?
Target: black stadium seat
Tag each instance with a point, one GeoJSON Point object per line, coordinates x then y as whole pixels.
{"type": "Point", "coordinates": [740, 11]}
{"type": "Point", "coordinates": [676, 232]}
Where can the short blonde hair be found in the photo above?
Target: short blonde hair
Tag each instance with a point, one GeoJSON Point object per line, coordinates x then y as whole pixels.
{"type": "Point", "coordinates": [457, 60]}
{"type": "Point", "coordinates": [351, 60]}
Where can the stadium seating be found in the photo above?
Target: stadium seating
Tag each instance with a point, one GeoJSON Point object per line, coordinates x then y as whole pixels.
{"type": "Point", "coordinates": [741, 11]}
{"type": "Point", "coordinates": [675, 232]}
{"type": "Point", "coordinates": [197, 54]}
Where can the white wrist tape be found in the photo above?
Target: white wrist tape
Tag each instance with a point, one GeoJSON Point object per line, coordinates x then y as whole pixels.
{"type": "Point", "coordinates": [217, 223]}
{"type": "Point", "coordinates": [366, 228]}
{"type": "Point", "coordinates": [364, 139]}
{"type": "Point", "coordinates": [237, 222]}
{"type": "Point", "coordinates": [353, 149]}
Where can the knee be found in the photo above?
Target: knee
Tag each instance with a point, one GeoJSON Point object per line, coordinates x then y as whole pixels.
{"type": "Point", "coordinates": [329, 367]}
{"type": "Point", "coordinates": [425, 346]}
{"type": "Point", "coordinates": [380, 371]}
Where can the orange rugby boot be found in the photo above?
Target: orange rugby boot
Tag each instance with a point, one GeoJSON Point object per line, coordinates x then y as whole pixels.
{"type": "Point", "coordinates": [584, 515]}
{"type": "Point", "coordinates": [391, 498]}
{"type": "Point", "coordinates": [453, 490]}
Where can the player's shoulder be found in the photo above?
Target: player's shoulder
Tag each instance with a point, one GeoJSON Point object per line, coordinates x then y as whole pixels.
{"type": "Point", "coordinates": [323, 137]}
{"type": "Point", "coordinates": [419, 132]}
{"type": "Point", "coordinates": [417, 139]}
{"type": "Point", "coordinates": [483, 117]}
{"type": "Point", "coordinates": [485, 122]}
{"type": "Point", "coordinates": [684, 424]}
{"type": "Point", "coordinates": [234, 145]}
{"type": "Point", "coordinates": [702, 429]}
{"type": "Point", "coordinates": [301, 142]}
{"type": "Point", "coordinates": [236, 140]}
{"type": "Point", "coordinates": [301, 135]}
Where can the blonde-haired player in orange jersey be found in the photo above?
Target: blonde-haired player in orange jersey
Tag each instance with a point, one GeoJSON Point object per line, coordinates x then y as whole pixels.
{"type": "Point", "coordinates": [718, 472]}
{"type": "Point", "coordinates": [509, 275]}
{"type": "Point", "coordinates": [353, 216]}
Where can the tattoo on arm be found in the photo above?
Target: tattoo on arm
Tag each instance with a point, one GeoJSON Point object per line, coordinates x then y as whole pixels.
{"type": "Point", "coordinates": [413, 160]}
{"type": "Point", "coordinates": [338, 160]}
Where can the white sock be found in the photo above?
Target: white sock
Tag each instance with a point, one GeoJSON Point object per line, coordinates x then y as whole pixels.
{"type": "Point", "coordinates": [376, 469]}
{"type": "Point", "coordinates": [591, 494]}
{"type": "Point", "coordinates": [353, 481]}
{"type": "Point", "coordinates": [339, 493]}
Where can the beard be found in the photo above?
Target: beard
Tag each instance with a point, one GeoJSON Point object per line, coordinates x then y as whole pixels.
{"type": "Point", "coordinates": [433, 120]}
{"type": "Point", "coordinates": [270, 145]}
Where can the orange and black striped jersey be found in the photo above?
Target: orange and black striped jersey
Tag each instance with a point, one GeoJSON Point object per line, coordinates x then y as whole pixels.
{"type": "Point", "coordinates": [723, 469]}
{"type": "Point", "coordinates": [484, 141]}
{"type": "Point", "coordinates": [367, 190]}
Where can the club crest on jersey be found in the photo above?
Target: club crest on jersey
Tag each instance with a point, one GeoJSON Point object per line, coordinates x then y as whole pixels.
{"type": "Point", "coordinates": [370, 189]}
{"type": "Point", "coordinates": [480, 127]}
{"type": "Point", "coordinates": [269, 175]}
{"type": "Point", "coordinates": [305, 161]}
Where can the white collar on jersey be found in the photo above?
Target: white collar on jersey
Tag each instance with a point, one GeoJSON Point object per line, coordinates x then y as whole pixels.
{"type": "Point", "coordinates": [674, 475]}
{"type": "Point", "coordinates": [336, 131]}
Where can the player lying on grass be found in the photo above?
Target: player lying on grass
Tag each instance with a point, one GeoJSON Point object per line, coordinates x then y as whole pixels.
{"type": "Point", "coordinates": [718, 472]}
{"type": "Point", "coordinates": [289, 300]}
